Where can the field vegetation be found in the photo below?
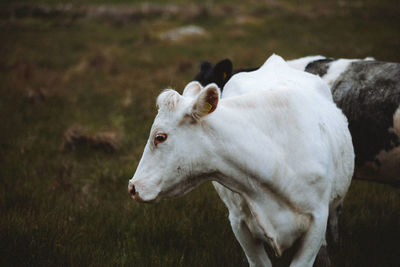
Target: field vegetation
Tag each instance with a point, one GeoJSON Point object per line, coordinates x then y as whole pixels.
{"type": "Point", "coordinates": [77, 99]}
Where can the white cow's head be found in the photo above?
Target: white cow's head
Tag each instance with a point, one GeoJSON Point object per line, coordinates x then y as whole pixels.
{"type": "Point", "coordinates": [174, 160]}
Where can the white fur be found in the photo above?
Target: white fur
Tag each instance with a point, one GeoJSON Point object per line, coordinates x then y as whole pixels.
{"type": "Point", "coordinates": [336, 69]}
{"type": "Point", "coordinates": [274, 71]}
{"type": "Point", "coordinates": [282, 156]}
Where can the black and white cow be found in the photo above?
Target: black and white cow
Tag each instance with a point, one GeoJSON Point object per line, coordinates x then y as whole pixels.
{"type": "Point", "coordinates": [368, 92]}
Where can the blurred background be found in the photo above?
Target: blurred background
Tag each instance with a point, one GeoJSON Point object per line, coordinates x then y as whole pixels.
{"type": "Point", "coordinates": [78, 86]}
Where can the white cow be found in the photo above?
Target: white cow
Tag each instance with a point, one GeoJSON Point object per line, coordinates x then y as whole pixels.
{"type": "Point", "coordinates": [282, 157]}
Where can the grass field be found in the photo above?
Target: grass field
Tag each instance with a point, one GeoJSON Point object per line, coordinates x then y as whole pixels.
{"type": "Point", "coordinates": [69, 207]}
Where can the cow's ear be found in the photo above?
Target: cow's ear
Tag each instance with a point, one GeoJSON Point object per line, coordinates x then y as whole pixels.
{"type": "Point", "coordinates": [192, 89]}
{"type": "Point", "coordinates": [223, 70]}
{"type": "Point", "coordinates": [206, 102]}
{"type": "Point", "coordinates": [205, 69]}
{"type": "Point", "coordinates": [168, 99]}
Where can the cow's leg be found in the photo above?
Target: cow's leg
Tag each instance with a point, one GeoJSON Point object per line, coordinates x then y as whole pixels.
{"type": "Point", "coordinates": [333, 224]}
{"type": "Point", "coordinates": [253, 248]}
{"type": "Point", "coordinates": [311, 241]}
{"type": "Point", "coordinates": [332, 235]}
{"type": "Point", "coordinates": [322, 259]}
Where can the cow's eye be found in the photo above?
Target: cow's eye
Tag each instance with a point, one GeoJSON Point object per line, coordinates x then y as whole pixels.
{"type": "Point", "coordinates": [159, 138]}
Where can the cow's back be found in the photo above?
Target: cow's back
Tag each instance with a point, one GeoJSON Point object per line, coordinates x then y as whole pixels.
{"type": "Point", "coordinates": [275, 71]}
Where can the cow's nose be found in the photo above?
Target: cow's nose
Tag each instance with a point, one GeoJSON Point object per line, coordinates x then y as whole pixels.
{"type": "Point", "coordinates": [132, 190]}
{"type": "Point", "coordinates": [134, 194]}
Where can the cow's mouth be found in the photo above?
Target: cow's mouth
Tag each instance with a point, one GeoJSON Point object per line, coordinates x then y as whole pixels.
{"type": "Point", "coordinates": [135, 196]}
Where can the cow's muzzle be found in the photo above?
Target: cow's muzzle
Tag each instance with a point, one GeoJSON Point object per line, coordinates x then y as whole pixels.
{"type": "Point", "coordinates": [134, 194]}
{"type": "Point", "coordinates": [132, 190]}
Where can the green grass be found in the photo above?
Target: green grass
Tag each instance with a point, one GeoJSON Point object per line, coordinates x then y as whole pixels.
{"type": "Point", "coordinates": [63, 208]}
